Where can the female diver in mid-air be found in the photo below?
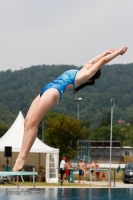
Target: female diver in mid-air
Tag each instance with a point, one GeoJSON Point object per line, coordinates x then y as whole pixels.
{"type": "Point", "coordinates": [51, 94]}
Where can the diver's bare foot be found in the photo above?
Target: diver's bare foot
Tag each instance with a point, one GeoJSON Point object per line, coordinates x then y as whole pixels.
{"type": "Point", "coordinates": [19, 164]}
{"type": "Point", "coordinates": [123, 50]}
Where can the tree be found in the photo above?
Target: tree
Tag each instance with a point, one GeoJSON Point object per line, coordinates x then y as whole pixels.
{"type": "Point", "coordinates": [106, 120]}
{"type": "Point", "coordinates": [131, 120]}
{"type": "Point", "coordinates": [86, 123]}
{"type": "Point", "coordinates": [63, 132]}
{"type": "Point", "coordinates": [3, 128]}
{"type": "Point", "coordinates": [103, 133]}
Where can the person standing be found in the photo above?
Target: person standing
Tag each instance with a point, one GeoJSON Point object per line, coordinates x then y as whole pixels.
{"type": "Point", "coordinates": [85, 167]}
{"type": "Point", "coordinates": [97, 172]}
{"type": "Point", "coordinates": [62, 169]}
{"type": "Point", "coordinates": [68, 167]}
{"type": "Point", "coordinates": [81, 170]}
{"type": "Point", "coordinates": [91, 166]}
{"type": "Point", "coordinates": [7, 168]}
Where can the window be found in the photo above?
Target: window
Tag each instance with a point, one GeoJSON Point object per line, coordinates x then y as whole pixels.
{"type": "Point", "coordinates": [126, 153]}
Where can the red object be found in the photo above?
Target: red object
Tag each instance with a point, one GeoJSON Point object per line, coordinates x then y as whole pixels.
{"type": "Point", "coordinates": [97, 173]}
{"type": "Point", "coordinates": [68, 171]}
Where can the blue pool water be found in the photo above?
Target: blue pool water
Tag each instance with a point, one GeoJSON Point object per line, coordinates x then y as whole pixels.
{"type": "Point", "coordinates": [67, 194]}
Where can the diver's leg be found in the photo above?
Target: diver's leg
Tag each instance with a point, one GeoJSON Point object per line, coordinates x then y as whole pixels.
{"type": "Point", "coordinates": [49, 99]}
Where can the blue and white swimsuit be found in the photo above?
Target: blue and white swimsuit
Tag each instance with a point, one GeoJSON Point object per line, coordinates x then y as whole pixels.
{"type": "Point", "coordinates": [60, 83]}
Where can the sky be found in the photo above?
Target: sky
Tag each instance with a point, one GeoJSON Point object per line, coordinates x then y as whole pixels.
{"type": "Point", "coordinates": [37, 32]}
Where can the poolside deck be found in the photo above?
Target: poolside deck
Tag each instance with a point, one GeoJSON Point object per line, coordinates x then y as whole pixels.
{"type": "Point", "coordinates": [86, 184]}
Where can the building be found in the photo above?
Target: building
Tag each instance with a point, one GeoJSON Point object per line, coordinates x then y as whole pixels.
{"type": "Point", "coordinates": [100, 151]}
{"type": "Point", "coordinates": [96, 150]}
{"type": "Point", "coordinates": [121, 122]}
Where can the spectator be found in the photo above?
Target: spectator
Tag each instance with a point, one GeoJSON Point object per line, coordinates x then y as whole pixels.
{"type": "Point", "coordinates": [97, 172]}
{"type": "Point", "coordinates": [8, 168]}
{"type": "Point", "coordinates": [62, 168]}
{"type": "Point", "coordinates": [81, 170]}
{"type": "Point", "coordinates": [68, 167]}
{"type": "Point", "coordinates": [91, 166]}
{"type": "Point", "coordinates": [103, 176]}
{"type": "Point", "coordinates": [3, 167]}
{"type": "Point", "coordinates": [85, 167]}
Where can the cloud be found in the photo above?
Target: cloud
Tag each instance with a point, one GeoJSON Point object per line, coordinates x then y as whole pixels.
{"type": "Point", "coordinates": [63, 32]}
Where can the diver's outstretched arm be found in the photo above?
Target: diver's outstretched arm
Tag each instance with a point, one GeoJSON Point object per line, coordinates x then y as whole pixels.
{"type": "Point", "coordinates": [104, 60]}
{"type": "Point", "coordinates": [105, 53]}
{"type": "Point", "coordinates": [89, 70]}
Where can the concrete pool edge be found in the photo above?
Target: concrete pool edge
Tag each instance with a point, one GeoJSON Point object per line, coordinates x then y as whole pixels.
{"type": "Point", "coordinates": [85, 185]}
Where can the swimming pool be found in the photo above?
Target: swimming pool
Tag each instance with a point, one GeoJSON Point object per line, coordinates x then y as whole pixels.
{"type": "Point", "coordinates": [67, 194]}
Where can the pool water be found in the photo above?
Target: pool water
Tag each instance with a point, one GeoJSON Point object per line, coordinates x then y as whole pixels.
{"type": "Point", "coordinates": [67, 194]}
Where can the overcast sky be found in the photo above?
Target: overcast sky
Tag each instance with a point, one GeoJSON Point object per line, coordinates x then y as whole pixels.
{"type": "Point", "coordinates": [36, 32]}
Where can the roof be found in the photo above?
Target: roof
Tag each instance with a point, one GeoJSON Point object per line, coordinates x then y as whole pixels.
{"type": "Point", "coordinates": [121, 121]}
{"type": "Point", "coordinates": [13, 137]}
{"type": "Point", "coordinates": [104, 143]}
{"type": "Point", "coordinates": [126, 147]}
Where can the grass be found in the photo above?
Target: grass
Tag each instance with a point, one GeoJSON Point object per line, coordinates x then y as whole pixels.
{"type": "Point", "coordinates": [118, 176]}
{"type": "Point", "coordinates": [44, 184]}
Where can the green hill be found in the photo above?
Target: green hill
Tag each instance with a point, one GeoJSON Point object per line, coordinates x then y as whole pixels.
{"type": "Point", "coordinates": [18, 88]}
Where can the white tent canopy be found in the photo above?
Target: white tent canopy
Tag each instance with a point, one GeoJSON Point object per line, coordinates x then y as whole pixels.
{"type": "Point", "coordinates": [13, 137]}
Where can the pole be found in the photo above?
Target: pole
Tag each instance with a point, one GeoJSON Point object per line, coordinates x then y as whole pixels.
{"type": "Point", "coordinates": [42, 131]}
{"type": "Point", "coordinates": [114, 178]}
{"type": "Point", "coordinates": [112, 102]}
{"type": "Point", "coordinates": [78, 100]}
{"type": "Point", "coordinates": [34, 177]}
{"type": "Point", "coordinates": [78, 110]}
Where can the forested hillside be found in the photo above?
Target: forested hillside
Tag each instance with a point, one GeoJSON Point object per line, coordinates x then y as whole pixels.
{"type": "Point", "coordinates": [18, 88]}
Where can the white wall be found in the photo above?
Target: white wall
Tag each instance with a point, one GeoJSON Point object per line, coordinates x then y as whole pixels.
{"type": "Point", "coordinates": [129, 150]}
{"type": "Point", "coordinates": [33, 159]}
